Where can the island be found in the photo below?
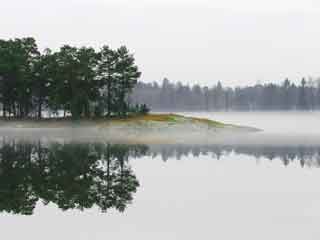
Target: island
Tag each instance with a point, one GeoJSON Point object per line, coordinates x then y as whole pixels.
{"type": "Point", "coordinates": [86, 93]}
{"type": "Point", "coordinates": [135, 129]}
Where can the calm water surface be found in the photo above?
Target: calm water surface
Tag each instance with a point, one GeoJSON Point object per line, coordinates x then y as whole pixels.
{"type": "Point", "coordinates": [293, 123]}
{"type": "Point", "coordinates": [67, 190]}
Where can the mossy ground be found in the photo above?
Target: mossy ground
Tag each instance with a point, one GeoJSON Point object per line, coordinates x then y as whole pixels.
{"type": "Point", "coordinates": [167, 118]}
{"type": "Point", "coordinates": [138, 120]}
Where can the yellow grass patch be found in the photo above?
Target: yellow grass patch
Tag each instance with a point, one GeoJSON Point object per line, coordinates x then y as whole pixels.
{"type": "Point", "coordinates": [168, 118]}
{"type": "Point", "coordinates": [150, 117]}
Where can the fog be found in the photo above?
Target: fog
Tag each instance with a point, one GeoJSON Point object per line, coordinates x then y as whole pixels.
{"type": "Point", "coordinates": [256, 129]}
{"type": "Point", "coordinates": [182, 181]}
{"type": "Point", "coordinates": [193, 42]}
{"type": "Point", "coordinates": [278, 128]}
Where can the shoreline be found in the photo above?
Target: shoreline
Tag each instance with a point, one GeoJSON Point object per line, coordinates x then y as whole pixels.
{"type": "Point", "coordinates": [140, 129]}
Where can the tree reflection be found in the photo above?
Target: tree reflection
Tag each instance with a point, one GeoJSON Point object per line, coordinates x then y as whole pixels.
{"type": "Point", "coordinates": [305, 155]}
{"type": "Point", "coordinates": [83, 175]}
{"type": "Point", "coordinates": [72, 175]}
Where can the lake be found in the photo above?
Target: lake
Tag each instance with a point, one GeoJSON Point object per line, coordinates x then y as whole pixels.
{"type": "Point", "coordinates": [260, 187]}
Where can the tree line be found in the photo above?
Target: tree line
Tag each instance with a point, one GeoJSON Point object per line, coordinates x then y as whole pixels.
{"type": "Point", "coordinates": [80, 82]}
{"type": "Point", "coordinates": [308, 156]}
{"type": "Point", "coordinates": [182, 97]}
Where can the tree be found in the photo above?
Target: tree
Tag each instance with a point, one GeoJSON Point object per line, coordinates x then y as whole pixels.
{"type": "Point", "coordinates": [26, 53]}
{"type": "Point", "coordinates": [303, 105]}
{"type": "Point", "coordinates": [75, 84]}
{"type": "Point", "coordinates": [127, 77]}
{"type": "Point", "coordinates": [76, 80]}
{"type": "Point", "coordinates": [286, 94]}
{"type": "Point", "coordinates": [17, 59]}
{"type": "Point", "coordinates": [44, 72]}
{"type": "Point", "coordinates": [107, 74]}
{"type": "Point", "coordinates": [6, 74]}
{"type": "Point", "coordinates": [89, 84]}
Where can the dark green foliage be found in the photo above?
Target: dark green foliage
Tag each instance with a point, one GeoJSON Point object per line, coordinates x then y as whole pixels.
{"type": "Point", "coordinates": [126, 79]}
{"type": "Point", "coordinates": [144, 109]}
{"type": "Point", "coordinates": [140, 109]}
{"type": "Point", "coordinates": [70, 175]}
{"type": "Point", "coordinates": [82, 82]}
{"type": "Point", "coordinates": [107, 75]}
{"type": "Point", "coordinates": [17, 63]}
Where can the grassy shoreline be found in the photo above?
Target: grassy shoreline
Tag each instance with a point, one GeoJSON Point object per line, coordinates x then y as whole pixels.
{"type": "Point", "coordinates": [149, 118]}
{"type": "Point", "coordinates": [138, 129]}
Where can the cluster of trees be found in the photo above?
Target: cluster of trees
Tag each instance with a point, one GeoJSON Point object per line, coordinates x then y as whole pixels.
{"type": "Point", "coordinates": [77, 81]}
{"type": "Point", "coordinates": [70, 175]}
{"type": "Point", "coordinates": [181, 97]}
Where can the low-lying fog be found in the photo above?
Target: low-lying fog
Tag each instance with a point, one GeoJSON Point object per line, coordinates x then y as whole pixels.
{"type": "Point", "coordinates": [293, 122]}
{"type": "Point", "coordinates": [236, 190]}
{"type": "Point", "coordinates": [278, 128]}
{"type": "Point", "coordinates": [294, 127]}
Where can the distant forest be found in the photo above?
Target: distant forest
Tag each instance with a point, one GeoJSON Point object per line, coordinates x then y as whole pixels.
{"type": "Point", "coordinates": [170, 96]}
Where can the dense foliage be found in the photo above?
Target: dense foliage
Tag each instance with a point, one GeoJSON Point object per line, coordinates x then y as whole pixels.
{"type": "Point", "coordinates": [180, 97]}
{"type": "Point", "coordinates": [80, 81]}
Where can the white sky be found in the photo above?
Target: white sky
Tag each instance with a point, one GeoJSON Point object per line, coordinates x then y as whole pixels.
{"type": "Point", "coordinates": [194, 41]}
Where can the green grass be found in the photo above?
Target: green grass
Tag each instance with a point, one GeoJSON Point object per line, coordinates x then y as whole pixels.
{"type": "Point", "coordinates": [167, 118]}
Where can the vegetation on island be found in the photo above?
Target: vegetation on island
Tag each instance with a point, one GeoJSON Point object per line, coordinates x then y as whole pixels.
{"type": "Point", "coordinates": [80, 82]}
{"type": "Point", "coordinates": [145, 121]}
{"type": "Point", "coordinates": [168, 118]}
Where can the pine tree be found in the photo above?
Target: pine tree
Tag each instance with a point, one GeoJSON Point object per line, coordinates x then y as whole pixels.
{"type": "Point", "coordinates": [127, 77]}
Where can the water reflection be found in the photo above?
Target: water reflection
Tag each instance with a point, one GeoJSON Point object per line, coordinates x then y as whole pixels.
{"type": "Point", "coordinates": [305, 155]}
{"type": "Point", "coordinates": [83, 175]}
{"type": "Point", "coordinates": [73, 175]}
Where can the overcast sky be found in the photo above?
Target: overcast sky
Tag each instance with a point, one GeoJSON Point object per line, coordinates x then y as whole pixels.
{"type": "Point", "coordinates": [195, 41]}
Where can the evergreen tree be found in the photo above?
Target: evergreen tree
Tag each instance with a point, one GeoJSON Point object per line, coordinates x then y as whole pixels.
{"type": "Point", "coordinates": [303, 105]}
{"type": "Point", "coordinates": [127, 77]}
{"type": "Point", "coordinates": [107, 74]}
{"type": "Point", "coordinates": [76, 80]}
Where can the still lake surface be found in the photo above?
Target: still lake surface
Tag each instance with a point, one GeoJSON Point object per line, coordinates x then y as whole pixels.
{"type": "Point", "coordinates": [239, 190]}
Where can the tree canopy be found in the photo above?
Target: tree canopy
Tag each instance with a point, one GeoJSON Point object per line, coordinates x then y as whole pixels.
{"type": "Point", "coordinates": [82, 82]}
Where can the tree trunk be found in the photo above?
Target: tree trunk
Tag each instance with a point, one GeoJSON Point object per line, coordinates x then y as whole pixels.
{"type": "Point", "coordinates": [4, 114]}
{"type": "Point", "coordinates": [40, 109]}
{"type": "Point", "coordinates": [109, 98]}
{"type": "Point", "coordinates": [86, 109]}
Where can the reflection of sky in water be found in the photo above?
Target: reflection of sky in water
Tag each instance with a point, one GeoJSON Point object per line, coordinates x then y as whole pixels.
{"type": "Point", "coordinates": [280, 123]}
{"type": "Point", "coordinates": [235, 197]}
{"type": "Point", "coordinates": [279, 128]}
{"type": "Point", "coordinates": [185, 192]}
{"type": "Point", "coordinates": [264, 186]}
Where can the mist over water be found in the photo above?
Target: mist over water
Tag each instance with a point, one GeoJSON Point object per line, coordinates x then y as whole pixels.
{"type": "Point", "coordinates": [278, 128]}
{"type": "Point", "coordinates": [263, 185]}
